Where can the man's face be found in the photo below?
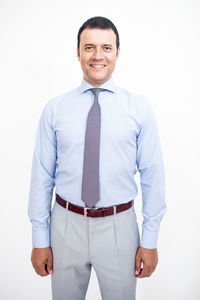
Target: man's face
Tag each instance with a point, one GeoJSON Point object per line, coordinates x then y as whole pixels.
{"type": "Point", "coordinates": [97, 54]}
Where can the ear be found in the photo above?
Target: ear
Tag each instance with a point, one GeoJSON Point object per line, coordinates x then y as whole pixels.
{"type": "Point", "coordinates": [118, 50]}
{"type": "Point", "coordinates": [78, 56]}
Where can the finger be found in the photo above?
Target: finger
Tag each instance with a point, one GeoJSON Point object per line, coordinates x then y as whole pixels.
{"type": "Point", "coordinates": [43, 271]}
{"type": "Point", "coordinates": [50, 265]}
{"type": "Point", "coordinates": [146, 272]}
{"type": "Point", "coordinates": [40, 270]}
{"type": "Point", "coordinates": [139, 275]}
{"type": "Point", "coordinates": [138, 262]}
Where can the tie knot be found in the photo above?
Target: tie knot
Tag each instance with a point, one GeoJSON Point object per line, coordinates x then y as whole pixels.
{"type": "Point", "coordinates": [97, 90]}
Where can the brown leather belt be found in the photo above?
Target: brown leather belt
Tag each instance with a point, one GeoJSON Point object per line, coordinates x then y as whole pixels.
{"type": "Point", "coordinates": [94, 212]}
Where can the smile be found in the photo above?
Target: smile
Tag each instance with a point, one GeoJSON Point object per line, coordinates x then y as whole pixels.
{"type": "Point", "coordinates": [95, 66]}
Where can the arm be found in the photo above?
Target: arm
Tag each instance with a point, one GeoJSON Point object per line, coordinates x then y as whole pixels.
{"type": "Point", "coordinates": [152, 179]}
{"type": "Point", "coordinates": [41, 188]}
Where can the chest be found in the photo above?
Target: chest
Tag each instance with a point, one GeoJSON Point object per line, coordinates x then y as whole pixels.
{"type": "Point", "coordinates": [118, 124]}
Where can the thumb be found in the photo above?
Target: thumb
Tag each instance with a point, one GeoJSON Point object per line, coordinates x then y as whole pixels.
{"type": "Point", "coordinates": [50, 264]}
{"type": "Point", "coordinates": [138, 261]}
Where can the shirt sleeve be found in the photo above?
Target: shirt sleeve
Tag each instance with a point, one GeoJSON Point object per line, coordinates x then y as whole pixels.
{"type": "Point", "coordinates": [42, 179]}
{"type": "Point", "coordinates": [152, 177]}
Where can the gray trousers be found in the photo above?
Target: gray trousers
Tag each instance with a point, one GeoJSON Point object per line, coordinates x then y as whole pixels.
{"type": "Point", "coordinates": [109, 244]}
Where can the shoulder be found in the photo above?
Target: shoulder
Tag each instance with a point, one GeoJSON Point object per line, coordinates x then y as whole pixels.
{"type": "Point", "coordinates": [140, 102]}
{"type": "Point", "coordinates": [54, 104]}
{"type": "Point", "coordinates": [140, 99]}
{"type": "Point", "coordinates": [58, 100]}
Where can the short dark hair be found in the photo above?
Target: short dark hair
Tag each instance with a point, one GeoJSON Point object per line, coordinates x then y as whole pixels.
{"type": "Point", "coordinates": [101, 23]}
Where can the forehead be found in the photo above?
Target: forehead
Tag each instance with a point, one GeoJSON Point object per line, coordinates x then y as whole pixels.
{"type": "Point", "coordinates": [97, 36]}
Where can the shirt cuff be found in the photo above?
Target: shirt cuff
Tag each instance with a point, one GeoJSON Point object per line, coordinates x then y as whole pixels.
{"type": "Point", "coordinates": [41, 237]}
{"type": "Point", "coordinates": [149, 239]}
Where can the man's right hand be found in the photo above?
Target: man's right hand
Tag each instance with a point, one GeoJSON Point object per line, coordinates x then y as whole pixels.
{"type": "Point", "coordinates": [42, 261]}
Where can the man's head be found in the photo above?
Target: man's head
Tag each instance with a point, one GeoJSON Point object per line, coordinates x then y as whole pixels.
{"type": "Point", "coordinates": [98, 49]}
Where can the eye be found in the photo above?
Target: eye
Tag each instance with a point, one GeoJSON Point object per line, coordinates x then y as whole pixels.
{"type": "Point", "coordinates": [108, 48]}
{"type": "Point", "coordinates": [88, 48]}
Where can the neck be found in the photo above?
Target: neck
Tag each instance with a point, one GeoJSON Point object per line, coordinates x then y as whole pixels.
{"type": "Point", "coordinates": [95, 83]}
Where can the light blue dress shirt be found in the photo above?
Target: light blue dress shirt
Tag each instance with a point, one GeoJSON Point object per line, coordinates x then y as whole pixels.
{"type": "Point", "coordinates": [129, 143]}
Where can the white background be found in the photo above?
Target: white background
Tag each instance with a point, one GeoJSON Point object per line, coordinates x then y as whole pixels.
{"type": "Point", "coordinates": [159, 59]}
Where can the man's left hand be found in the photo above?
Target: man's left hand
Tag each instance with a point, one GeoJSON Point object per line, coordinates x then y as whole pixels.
{"type": "Point", "coordinates": [149, 259]}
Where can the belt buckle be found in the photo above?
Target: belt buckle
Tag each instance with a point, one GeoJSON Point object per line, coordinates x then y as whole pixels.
{"type": "Point", "coordinates": [86, 208]}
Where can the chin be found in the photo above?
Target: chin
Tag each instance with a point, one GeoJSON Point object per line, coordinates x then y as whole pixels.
{"type": "Point", "coordinates": [98, 78]}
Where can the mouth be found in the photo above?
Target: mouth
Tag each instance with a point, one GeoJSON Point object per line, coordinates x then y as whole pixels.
{"type": "Point", "coordinates": [97, 66]}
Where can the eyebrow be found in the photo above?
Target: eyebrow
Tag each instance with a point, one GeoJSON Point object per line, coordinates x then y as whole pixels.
{"type": "Point", "coordinates": [110, 45]}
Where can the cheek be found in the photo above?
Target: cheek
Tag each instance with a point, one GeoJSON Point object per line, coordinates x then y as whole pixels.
{"type": "Point", "coordinates": [84, 59]}
{"type": "Point", "coordinates": [111, 60]}
{"type": "Point", "coordinates": [111, 64]}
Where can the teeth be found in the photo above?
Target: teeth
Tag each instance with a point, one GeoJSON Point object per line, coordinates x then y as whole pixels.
{"type": "Point", "coordinates": [98, 66]}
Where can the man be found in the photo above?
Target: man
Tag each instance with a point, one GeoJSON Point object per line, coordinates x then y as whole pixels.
{"type": "Point", "coordinates": [89, 144]}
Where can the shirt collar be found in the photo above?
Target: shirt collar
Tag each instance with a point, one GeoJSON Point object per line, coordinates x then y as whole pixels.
{"type": "Point", "coordinates": [109, 85]}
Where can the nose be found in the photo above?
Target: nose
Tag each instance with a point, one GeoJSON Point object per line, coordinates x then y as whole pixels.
{"type": "Point", "coordinates": [97, 53]}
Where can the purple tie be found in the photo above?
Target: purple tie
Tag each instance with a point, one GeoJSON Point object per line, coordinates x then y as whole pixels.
{"type": "Point", "coordinates": [90, 183]}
